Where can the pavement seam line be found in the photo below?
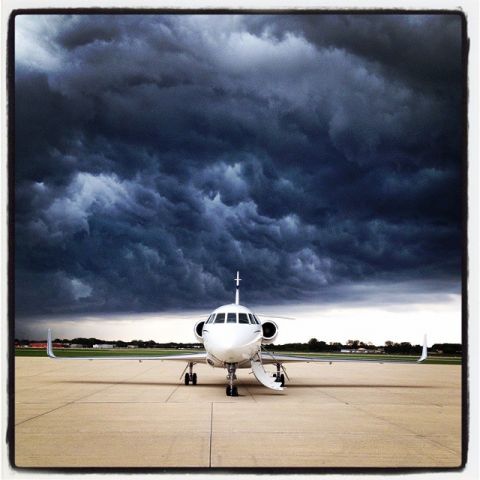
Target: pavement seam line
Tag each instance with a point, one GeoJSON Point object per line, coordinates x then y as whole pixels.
{"type": "Point", "coordinates": [78, 399]}
{"type": "Point", "coordinates": [412, 432]}
{"type": "Point", "coordinates": [171, 394]}
{"type": "Point", "coordinates": [211, 435]}
{"type": "Point", "coordinates": [423, 437]}
{"type": "Point", "coordinates": [41, 414]}
{"type": "Point", "coordinates": [112, 385]}
{"type": "Point", "coordinates": [42, 373]}
{"type": "Point", "coordinates": [251, 394]}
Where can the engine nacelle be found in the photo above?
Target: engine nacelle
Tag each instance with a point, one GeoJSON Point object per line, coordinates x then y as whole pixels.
{"type": "Point", "coordinates": [270, 332]}
{"type": "Point", "coordinates": [198, 330]}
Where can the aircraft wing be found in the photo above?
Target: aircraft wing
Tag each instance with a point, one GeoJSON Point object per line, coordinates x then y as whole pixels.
{"type": "Point", "coordinates": [270, 357]}
{"type": "Point", "coordinates": [188, 357]}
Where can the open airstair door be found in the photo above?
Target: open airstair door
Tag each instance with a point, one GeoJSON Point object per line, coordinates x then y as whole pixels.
{"type": "Point", "coordinates": [263, 377]}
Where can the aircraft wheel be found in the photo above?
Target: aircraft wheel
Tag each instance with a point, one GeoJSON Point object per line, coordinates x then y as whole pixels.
{"type": "Point", "coordinates": [235, 392]}
{"type": "Point", "coordinates": [277, 378]}
{"type": "Point", "coordinates": [194, 379]}
{"type": "Point", "coordinates": [229, 391]}
{"type": "Point", "coordinates": [187, 379]}
{"type": "Point", "coordinates": [282, 380]}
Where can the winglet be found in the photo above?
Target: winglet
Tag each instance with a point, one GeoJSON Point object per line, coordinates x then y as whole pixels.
{"type": "Point", "coordinates": [424, 350]}
{"type": "Point", "coordinates": [49, 345]}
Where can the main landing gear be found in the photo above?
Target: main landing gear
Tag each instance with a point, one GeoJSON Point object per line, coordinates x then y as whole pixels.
{"type": "Point", "coordinates": [190, 377]}
{"type": "Point", "coordinates": [231, 390]}
{"type": "Point", "coordinates": [279, 377]}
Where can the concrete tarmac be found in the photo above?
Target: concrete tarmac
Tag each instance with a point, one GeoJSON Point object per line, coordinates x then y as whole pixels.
{"type": "Point", "coordinates": [79, 413]}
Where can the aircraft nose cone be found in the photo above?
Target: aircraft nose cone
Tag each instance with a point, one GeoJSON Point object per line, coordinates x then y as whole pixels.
{"type": "Point", "coordinates": [231, 344]}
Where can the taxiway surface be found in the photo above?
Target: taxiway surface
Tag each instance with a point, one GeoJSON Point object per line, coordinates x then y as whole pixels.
{"type": "Point", "coordinates": [79, 413]}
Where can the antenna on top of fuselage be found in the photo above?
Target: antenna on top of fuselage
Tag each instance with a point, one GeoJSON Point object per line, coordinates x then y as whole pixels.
{"type": "Point", "coordinates": [237, 291]}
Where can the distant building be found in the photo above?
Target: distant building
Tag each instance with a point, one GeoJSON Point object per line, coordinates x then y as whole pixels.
{"type": "Point", "coordinates": [44, 345]}
{"type": "Point", "coordinates": [359, 350]}
{"type": "Point", "coordinates": [77, 345]}
{"type": "Point", "coordinates": [103, 346]}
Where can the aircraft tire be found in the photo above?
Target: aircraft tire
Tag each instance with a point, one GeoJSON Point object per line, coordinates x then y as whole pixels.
{"type": "Point", "coordinates": [187, 379]}
{"type": "Point", "coordinates": [234, 391]}
{"type": "Point", "coordinates": [282, 380]}
{"type": "Point", "coordinates": [194, 379]}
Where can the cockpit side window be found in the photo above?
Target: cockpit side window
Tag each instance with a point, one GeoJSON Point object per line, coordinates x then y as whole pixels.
{"type": "Point", "coordinates": [220, 318]}
{"type": "Point", "coordinates": [242, 318]}
{"type": "Point", "coordinates": [231, 318]}
{"type": "Point", "coordinates": [257, 320]}
{"type": "Point", "coordinates": [210, 318]}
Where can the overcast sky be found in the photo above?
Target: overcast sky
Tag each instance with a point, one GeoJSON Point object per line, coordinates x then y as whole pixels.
{"type": "Point", "coordinates": [320, 155]}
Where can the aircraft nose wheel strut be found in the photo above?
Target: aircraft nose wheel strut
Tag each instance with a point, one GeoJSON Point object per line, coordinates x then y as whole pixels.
{"type": "Point", "coordinates": [190, 377]}
{"type": "Point", "coordinates": [231, 390]}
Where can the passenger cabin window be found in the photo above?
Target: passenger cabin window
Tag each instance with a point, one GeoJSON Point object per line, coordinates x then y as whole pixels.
{"type": "Point", "coordinates": [232, 318]}
{"type": "Point", "coordinates": [242, 318]}
{"type": "Point", "coordinates": [220, 318]}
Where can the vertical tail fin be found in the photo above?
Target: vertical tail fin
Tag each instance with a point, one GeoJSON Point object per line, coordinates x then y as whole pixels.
{"type": "Point", "coordinates": [424, 350]}
{"type": "Point", "coordinates": [237, 291]}
{"type": "Point", "coordinates": [49, 345]}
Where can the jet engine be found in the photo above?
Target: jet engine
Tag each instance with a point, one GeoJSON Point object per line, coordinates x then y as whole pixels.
{"type": "Point", "coordinates": [270, 332]}
{"type": "Point", "coordinates": [198, 330]}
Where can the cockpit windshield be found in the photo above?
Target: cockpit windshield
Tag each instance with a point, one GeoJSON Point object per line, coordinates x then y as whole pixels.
{"type": "Point", "coordinates": [233, 317]}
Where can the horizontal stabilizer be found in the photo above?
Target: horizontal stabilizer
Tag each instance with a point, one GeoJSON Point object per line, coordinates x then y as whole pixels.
{"type": "Point", "coordinates": [263, 377]}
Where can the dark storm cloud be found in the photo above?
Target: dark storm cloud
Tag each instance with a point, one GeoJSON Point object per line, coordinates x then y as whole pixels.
{"type": "Point", "coordinates": [156, 155]}
{"type": "Point", "coordinates": [420, 49]}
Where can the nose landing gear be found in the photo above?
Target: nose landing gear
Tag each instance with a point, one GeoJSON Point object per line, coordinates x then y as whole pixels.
{"type": "Point", "coordinates": [190, 377]}
{"type": "Point", "coordinates": [231, 390]}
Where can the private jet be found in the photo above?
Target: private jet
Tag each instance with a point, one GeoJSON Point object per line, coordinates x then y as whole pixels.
{"type": "Point", "coordinates": [233, 337]}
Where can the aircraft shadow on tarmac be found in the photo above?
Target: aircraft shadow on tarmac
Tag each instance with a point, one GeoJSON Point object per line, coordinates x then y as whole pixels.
{"type": "Point", "coordinates": [246, 384]}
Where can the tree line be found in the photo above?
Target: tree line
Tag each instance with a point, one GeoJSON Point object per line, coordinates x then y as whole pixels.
{"type": "Point", "coordinates": [404, 348]}
{"type": "Point", "coordinates": [313, 345]}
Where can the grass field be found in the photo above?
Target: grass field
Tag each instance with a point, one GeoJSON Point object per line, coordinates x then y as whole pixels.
{"type": "Point", "coordinates": [146, 352]}
{"type": "Point", "coordinates": [95, 352]}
